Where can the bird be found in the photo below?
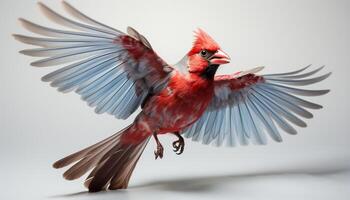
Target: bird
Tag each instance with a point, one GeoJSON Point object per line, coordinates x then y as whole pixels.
{"type": "Point", "coordinates": [118, 73]}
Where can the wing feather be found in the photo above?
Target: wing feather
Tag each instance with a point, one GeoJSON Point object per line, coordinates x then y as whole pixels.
{"type": "Point", "coordinates": [80, 16]}
{"type": "Point", "coordinates": [265, 119]}
{"type": "Point", "coordinates": [99, 62]}
{"type": "Point", "coordinates": [299, 82]}
{"type": "Point", "coordinates": [246, 107]}
{"type": "Point", "coordinates": [241, 135]}
{"type": "Point", "coordinates": [59, 19]}
{"type": "Point", "coordinates": [42, 30]}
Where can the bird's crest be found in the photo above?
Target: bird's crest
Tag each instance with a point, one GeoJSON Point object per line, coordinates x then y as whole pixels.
{"type": "Point", "coordinates": [203, 41]}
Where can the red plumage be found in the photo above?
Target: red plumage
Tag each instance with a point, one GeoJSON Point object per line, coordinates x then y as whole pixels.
{"type": "Point", "coordinates": [117, 72]}
{"type": "Point", "coordinates": [203, 41]}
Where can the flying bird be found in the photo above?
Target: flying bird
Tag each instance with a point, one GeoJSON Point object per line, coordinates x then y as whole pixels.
{"type": "Point", "coordinates": [117, 72]}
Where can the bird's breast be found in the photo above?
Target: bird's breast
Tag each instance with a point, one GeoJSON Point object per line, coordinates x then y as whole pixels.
{"type": "Point", "coordinates": [180, 104]}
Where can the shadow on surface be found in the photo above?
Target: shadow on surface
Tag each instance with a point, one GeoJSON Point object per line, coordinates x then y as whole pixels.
{"type": "Point", "coordinates": [122, 194]}
{"type": "Point", "coordinates": [208, 184]}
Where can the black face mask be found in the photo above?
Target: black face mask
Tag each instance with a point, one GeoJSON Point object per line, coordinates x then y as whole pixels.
{"type": "Point", "coordinates": [210, 72]}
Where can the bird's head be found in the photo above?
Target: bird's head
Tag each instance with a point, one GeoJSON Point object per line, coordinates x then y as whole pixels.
{"type": "Point", "coordinates": [205, 56]}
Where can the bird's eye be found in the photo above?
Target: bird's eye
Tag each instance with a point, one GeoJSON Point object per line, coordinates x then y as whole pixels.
{"type": "Point", "coordinates": [204, 53]}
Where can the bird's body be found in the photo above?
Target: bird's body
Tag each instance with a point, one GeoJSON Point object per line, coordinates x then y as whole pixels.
{"type": "Point", "coordinates": [180, 104]}
{"type": "Point", "coordinates": [117, 72]}
{"type": "Point", "coordinates": [173, 108]}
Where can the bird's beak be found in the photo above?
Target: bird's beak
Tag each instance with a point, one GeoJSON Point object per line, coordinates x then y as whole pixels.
{"type": "Point", "coordinates": [219, 58]}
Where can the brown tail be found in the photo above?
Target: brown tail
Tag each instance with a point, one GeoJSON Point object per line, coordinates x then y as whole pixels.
{"type": "Point", "coordinates": [112, 163]}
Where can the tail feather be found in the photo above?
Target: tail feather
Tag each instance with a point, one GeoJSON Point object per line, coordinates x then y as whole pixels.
{"type": "Point", "coordinates": [91, 158]}
{"type": "Point", "coordinates": [80, 154]}
{"type": "Point", "coordinates": [111, 161]}
{"type": "Point", "coordinates": [121, 178]}
{"type": "Point", "coordinates": [103, 175]}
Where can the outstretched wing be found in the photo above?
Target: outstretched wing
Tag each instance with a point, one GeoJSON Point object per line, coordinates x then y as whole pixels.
{"type": "Point", "coordinates": [246, 107]}
{"type": "Point", "coordinates": [111, 70]}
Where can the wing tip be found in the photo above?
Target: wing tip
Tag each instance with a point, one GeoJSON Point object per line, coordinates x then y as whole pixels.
{"type": "Point", "coordinates": [279, 139]}
{"type": "Point", "coordinates": [325, 91]}
{"type": "Point", "coordinates": [22, 52]}
{"type": "Point", "coordinates": [22, 21]}
{"type": "Point", "coordinates": [16, 36]}
{"type": "Point", "coordinates": [65, 5]}
{"type": "Point", "coordinates": [304, 125]}
{"type": "Point", "coordinates": [26, 23]}
{"type": "Point", "coordinates": [44, 9]}
{"type": "Point", "coordinates": [45, 78]}
{"type": "Point", "coordinates": [27, 52]}
{"type": "Point", "coordinates": [64, 2]}
{"type": "Point", "coordinates": [35, 64]}
{"type": "Point", "coordinates": [41, 5]}
{"type": "Point", "coordinates": [329, 74]}
{"type": "Point", "coordinates": [19, 37]}
{"type": "Point", "coordinates": [308, 115]}
{"type": "Point", "coordinates": [305, 68]}
{"type": "Point", "coordinates": [294, 132]}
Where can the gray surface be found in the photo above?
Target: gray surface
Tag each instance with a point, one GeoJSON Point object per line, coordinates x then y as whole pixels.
{"type": "Point", "coordinates": [39, 125]}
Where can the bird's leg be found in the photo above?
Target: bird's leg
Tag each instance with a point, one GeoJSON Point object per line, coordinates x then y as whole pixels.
{"type": "Point", "coordinates": [179, 144]}
{"type": "Point", "coordinates": [159, 151]}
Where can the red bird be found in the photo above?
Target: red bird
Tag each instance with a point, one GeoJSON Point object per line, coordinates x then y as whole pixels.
{"type": "Point", "coordinates": [117, 72]}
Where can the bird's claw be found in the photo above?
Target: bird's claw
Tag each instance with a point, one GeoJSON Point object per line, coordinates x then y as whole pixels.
{"type": "Point", "coordinates": [159, 152]}
{"type": "Point", "coordinates": [179, 146]}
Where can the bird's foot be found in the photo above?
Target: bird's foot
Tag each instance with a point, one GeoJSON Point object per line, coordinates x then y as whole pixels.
{"type": "Point", "coordinates": [159, 151]}
{"type": "Point", "coordinates": [179, 145]}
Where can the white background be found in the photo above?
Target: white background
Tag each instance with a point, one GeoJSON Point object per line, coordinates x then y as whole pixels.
{"type": "Point", "coordinates": [39, 125]}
